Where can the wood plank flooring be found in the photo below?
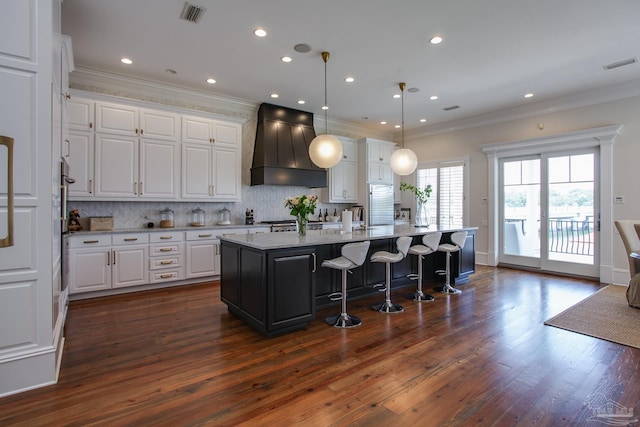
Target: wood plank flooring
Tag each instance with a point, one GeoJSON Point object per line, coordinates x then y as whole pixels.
{"type": "Point", "coordinates": [176, 357]}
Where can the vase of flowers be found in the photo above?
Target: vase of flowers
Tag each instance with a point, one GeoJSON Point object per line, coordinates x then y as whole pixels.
{"type": "Point", "coordinates": [422, 196]}
{"type": "Point", "coordinates": [301, 207]}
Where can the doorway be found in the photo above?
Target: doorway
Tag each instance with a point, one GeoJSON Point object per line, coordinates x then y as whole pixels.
{"type": "Point", "coordinates": [549, 210]}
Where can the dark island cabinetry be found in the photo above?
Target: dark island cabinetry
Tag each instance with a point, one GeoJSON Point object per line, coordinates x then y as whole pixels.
{"type": "Point", "coordinates": [272, 291]}
{"type": "Point", "coordinates": [275, 283]}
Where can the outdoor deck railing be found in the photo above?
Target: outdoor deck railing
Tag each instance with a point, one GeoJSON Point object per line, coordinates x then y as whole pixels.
{"type": "Point", "coordinates": [571, 236]}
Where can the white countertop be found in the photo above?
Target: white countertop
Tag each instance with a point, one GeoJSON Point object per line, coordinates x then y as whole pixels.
{"type": "Point", "coordinates": [324, 237]}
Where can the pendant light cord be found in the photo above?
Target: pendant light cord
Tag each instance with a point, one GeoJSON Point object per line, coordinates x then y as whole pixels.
{"type": "Point", "coordinates": [402, 85]}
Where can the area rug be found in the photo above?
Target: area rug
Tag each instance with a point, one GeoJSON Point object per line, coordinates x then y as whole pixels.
{"type": "Point", "coordinates": [604, 315]}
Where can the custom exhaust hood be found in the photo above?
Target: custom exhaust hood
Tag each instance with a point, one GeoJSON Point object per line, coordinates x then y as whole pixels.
{"type": "Point", "coordinates": [281, 151]}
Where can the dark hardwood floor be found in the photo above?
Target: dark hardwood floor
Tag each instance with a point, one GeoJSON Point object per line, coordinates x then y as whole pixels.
{"type": "Point", "coordinates": [176, 357]}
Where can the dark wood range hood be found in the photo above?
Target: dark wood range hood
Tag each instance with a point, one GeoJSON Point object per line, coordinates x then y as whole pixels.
{"type": "Point", "coordinates": [281, 151]}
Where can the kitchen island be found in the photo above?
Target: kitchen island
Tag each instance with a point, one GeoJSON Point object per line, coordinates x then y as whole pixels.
{"type": "Point", "coordinates": [275, 282]}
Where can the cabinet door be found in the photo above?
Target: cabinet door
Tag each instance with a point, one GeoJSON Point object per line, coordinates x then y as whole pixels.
{"type": "Point", "coordinates": [89, 269]}
{"type": "Point", "coordinates": [226, 174]}
{"type": "Point", "coordinates": [80, 114]}
{"type": "Point", "coordinates": [117, 119]}
{"type": "Point", "coordinates": [130, 265]}
{"type": "Point", "coordinates": [156, 124]}
{"type": "Point", "coordinates": [336, 183]}
{"type": "Point", "coordinates": [350, 181]}
{"type": "Point", "coordinates": [159, 176]}
{"type": "Point", "coordinates": [197, 130]}
{"type": "Point", "coordinates": [80, 161]}
{"type": "Point", "coordinates": [196, 171]}
{"type": "Point", "coordinates": [226, 134]}
{"type": "Point", "coordinates": [203, 258]}
{"type": "Point", "coordinates": [116, 172]}
{"type": "Point", "coordinates": [291, 287]}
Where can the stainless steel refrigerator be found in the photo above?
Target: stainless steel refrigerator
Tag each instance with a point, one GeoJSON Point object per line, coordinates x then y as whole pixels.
{"type": "Point", "coordinates": [380, 205]}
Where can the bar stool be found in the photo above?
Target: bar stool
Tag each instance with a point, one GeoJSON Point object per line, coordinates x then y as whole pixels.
{"type": "Point", "coordinates": [403, 244]}
{"type": "Point", "coordinates": [353, 255]}
{"type": "Point", "coordinates": [457, 243]}
{"type": "Point", "coordinates": [429, 246]}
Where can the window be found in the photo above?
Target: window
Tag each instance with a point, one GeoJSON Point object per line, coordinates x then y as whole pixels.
{"type": "Point", "coordinates": [446, 204]}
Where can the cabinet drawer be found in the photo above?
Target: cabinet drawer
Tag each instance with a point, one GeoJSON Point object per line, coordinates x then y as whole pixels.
{"type": "Point", "coordinates": [167, 236]}
{"type": "Point", "coordinates": [89, 241]}
{"type": "Point", "coordinates": [166, 275]}
{"type": "Point", "coordinates": [130, 239]}
{"type": "Point", "coordinates": [165, 262]}
{"type": "Point", "coordinates": [202, 235]}
{"type": "Point", "coordinates": [168, 248]}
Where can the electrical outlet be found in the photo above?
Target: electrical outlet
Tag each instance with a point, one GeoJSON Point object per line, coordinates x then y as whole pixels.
{"type": "Point", "coordinates": [618, 200]}
{"type": "Point", "coordinates": [485, 201]}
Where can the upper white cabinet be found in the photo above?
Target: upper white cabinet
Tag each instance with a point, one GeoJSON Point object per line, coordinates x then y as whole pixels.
{"type": "Point", "coordinates": [207, 131]}
{"type": "Point", "coordinates": [343, 177]}
{"type": "Point", "coordinates": [119, 151]}
{"type": "Point", "coordinates": [80, 114]}
{"type": "Point", "coordinates": [377, 157]}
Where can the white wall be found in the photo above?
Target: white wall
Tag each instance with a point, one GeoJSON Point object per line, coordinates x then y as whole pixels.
{"type": "Point", "coordinates": [468, 142]}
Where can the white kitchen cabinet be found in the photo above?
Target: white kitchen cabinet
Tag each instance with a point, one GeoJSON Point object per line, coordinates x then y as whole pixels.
{"type": "Point", "coordinates": [166, 256]}
{"type": "Point", "coordinates": [80, 158]}
{"type": "Point", "coordinates": [397, 194]}
{"type": "Point", "coordinates": [203, 254]}
{"type": "Point", "coordinates": [211, 173]}
{"type": "Point", "coordinates": [159, 125]}
{"type": "Point", "coordinates": [207, 131]}
{"type": "Point", "coordinates": [81, 113]}
{"type": "Point", "coordinates": [131, 168]}
{"type": "Point", "coordinates": [101, 262]}
{"type": "Point", "coordinates": [343, 177]}
{"type": "Point", "coordinates": [375, 158]}
{"type": "Point", "coordinates": [117, 119]}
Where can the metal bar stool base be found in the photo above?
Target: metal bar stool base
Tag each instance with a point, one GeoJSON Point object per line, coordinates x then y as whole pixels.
{"type": "Point", "coordinates": [343, 321]}
{"type": "Point", "coordinates": [420, 296]}
{"type": "Point", "coordinates": [448, 289]}
{"type": "Point", "coordinates": [388, 307]}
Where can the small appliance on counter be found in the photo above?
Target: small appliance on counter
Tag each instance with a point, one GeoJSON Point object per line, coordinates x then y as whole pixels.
{"type": "Point", "coordinates": [197, 218]}
{"type": "Point", "coordinates": [166, 218]}
{"type": "Point", "coordinates": [248, 220]}
{"type": "Point", "coordinates": [224, 216]}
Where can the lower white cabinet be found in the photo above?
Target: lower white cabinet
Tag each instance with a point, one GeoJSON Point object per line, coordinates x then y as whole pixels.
{"type": "Point", "coordinates": [203, 254]}
{"type": "Point", "coordinates": [100, 262]}
{"type": "Point", "coordinates": [166, 256]}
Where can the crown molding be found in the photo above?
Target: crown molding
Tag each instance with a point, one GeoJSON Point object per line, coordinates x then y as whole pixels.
{"type": "Point", "coordinates": [596, 96]}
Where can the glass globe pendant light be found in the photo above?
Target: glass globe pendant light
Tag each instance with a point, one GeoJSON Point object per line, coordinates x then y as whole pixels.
{"type": "Point", "coordinates": [325, 150]}
{"type": "Point", "coordinates": [403, 161]}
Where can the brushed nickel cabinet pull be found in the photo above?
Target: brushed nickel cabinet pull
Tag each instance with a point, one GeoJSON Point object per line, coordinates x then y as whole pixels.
{"type": "Point", "coordinates": [114, 257]}
{"type": "Point", "coordinates": [90, 186]}
{"type": "Point", "coordinates": [166, 262]}
{"type": "Point", "coordinates": [130, 239]}
{"type": "Point", "coordinates": [166, 237]}
{"type": "Point", "coordinates": [108, 257]}
{"type": "Point", "coordinates": [90, 241]}
{"type": "Point", "coordinates": [7, 241]}
{"type": "Point", "coordinates": [141, 131]}
{"type": "Point", "coordinates": [135, 188]}
{"type": "Point", "coordinates": [166, 276]}
{"type": "Point", "coordinates": [90, 125]}
{"type": "Point", "coordinates": [314, 262]}
{"type": "Point", "coordinates": [140, 191]}
{"type": "Point", "coordinates": [204, 235]}
{"type": "Point", "coordinates": [166, 249]}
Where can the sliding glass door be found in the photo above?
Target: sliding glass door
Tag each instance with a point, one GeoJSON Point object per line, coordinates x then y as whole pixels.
{"type": "Point", "coordinates": [549, 212]}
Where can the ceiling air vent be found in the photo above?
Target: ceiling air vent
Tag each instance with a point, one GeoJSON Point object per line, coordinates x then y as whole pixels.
{"type": "Point", "coordinates": [620, 63]}
{"type": "Point", "coordinates": [453, 107]}
{"type": "Point", "coordinates": [192, 13]}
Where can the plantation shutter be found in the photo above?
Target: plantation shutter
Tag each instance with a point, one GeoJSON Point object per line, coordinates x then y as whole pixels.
{"type": "Point", "coordinates": [446, 204]}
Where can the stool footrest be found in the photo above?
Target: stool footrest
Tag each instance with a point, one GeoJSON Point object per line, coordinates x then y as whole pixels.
{"type": "Point", "coordinates": [412, 276]}
{"type": "Point", "coordinates": [380, 287]}
{"type": "Point", "coordinates": [336, 296]}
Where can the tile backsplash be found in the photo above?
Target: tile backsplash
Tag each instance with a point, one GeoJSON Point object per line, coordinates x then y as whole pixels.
{"type": "Point", "coordinates": [267, 202]}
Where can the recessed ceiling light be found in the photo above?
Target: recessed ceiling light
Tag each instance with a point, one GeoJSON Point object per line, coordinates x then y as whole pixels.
{"type": "Point", "coordinates": [528, 95]}
{"type": "Point", "coordinates": [126, 61]}
{"type": "Point", "coordinates": [383, 123]}
{"type": "Point", "coordinates": [436, 40]}
{"type": "Point", "coordinates": [211, 81]}
{"type": "Point", "coordinates": [259, 32]}
{"type": "Point", "coordinates": [433, 97]}
{"type": "Point", "coordinates": [301, 101]}
{"type": "Point", "coordinates": [274, 95]}
{"type": "Point", "coordinates": [286, 59]}
{"type": "Point", "coordinates": [349, 79]}
{"type": "Point", "coordinates": [396, 95]}
{"type": "Point", "coordinates": [413, 89]}
{"type": "Point", "coordinates": [325, 107]}
{"type": "Point", "coordinates": [397, 126]}
{"type": "Point", "coordinates": [423, 120]}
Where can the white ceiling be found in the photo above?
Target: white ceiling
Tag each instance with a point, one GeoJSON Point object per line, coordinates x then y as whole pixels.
{"type": "Point", "coordinates": [494, 51]}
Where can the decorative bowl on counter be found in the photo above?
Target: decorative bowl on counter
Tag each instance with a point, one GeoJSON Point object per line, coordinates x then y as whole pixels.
{"type": "Point", "coordinates": [332, 218]}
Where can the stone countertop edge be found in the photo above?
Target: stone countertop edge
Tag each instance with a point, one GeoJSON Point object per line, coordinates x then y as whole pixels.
{"type": "Point", "coordinates": [167, 230]}
{"type": "Point", "coordinates": [290, 239]}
